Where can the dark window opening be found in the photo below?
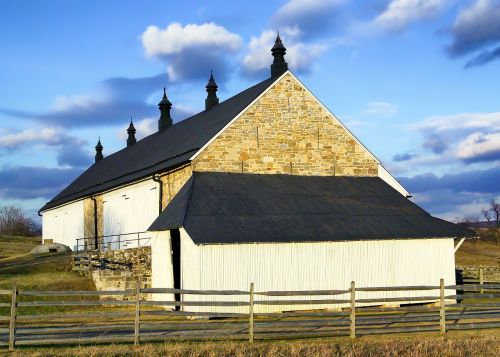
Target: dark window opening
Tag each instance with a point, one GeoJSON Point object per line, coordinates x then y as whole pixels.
{"type": "Point", "coordinates": [175, 240]}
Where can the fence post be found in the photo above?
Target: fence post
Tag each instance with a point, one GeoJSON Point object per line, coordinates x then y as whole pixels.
{"type": "Point", "coordinates": [13, 313]}
{"type": "Point", "coordinates": [481, 280]}
{"type": "Point", "coordinates": [442, 311]}
{"type": "Point", "coordinates": [353, 309]}
{"type": "Point", "coordinates": [137, 312]}
{"type": "Point", "coordinates": [250, 315]}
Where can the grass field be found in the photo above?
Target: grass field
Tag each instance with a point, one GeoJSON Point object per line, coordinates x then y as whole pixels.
{"type": "Point", "coordinates": [478, 253]}
{"type": "Point", "coordinates": [53, 272]}
{"type": "Point", "coordinates": [42, 272]}
{"type": "Point", "coordinates": [36, 272]}
{"type": "Point", "coordinates": [463, 344]}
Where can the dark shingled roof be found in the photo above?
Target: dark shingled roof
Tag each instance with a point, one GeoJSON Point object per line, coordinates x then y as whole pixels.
{"type": "Point", "coordinates": [159, 151]}
{"type": "Point", "coordinates": [224, 208]}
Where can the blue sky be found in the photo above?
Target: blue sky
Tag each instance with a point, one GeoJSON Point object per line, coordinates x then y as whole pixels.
{"type": "Point", "coordinates": [415, 80]}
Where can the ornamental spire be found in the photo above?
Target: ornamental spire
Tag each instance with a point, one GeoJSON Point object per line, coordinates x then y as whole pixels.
{"type": "Point", "coordinates": [211, 87]}
{"type": "Point", "coordinates": [98, 151]}
{"type": "Point", "coordinates": [165, 106]}
{"type": "Point", "coordinates": [131, 140]}
{"type": "Point", "coordinates": [278, 51]}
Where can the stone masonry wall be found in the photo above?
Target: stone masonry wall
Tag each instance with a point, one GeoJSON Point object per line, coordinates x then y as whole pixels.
{"type": "Point", "coordinates": [121, 270]}
{"type": "Point", "coordinates": [491, 273]}
{"type": "Point", "coordinates": [173, 181]}
{"type": "Point", "coordinates": [88, 217]}
{"type": "Point", "coordinates": [287, 131]}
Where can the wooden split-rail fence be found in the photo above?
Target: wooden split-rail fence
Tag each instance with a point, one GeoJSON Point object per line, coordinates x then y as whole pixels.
{"type": "Point", "coordinates": [38, 318]}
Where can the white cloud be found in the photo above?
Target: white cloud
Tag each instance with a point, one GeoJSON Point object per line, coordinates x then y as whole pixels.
{"type": "Point", "coordinates": [191, 51]}
{"type": "Point", "coordinates": [146, 126]}
{"type": "Point", "coordinates": [479, 145]}
{"type": "Point", "coordinates": [461, 121]}
{"type": "Point", "coordinates": [476, 26]}
{"type": "Point", "coordinates": [296, 8]}
{"type": "Point", "coordinates": [314, 17]}
{"type": "Point", "coordinates": [401, 13]}
{"type": "Point", "coordinates": [471, 137]}
{"type": "Point", "coordinates": [65, 103]}
{"type": "Point", "coordinates": [382, 109]}
{"type": "Point", "coordinates": [143, 127]}
{"type": "Point", "coordinates": [476, 31]}
{"type": "Point", "coordinates": [47, 136]}
{"type": "Point", "coordinates": [299, 55]}
{"type": "Point", "coordinates": [176, 38]}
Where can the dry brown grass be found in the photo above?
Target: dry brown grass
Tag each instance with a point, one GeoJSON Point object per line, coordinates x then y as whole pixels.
{"type": "Point", "coordinates": [11, 247]}
{"type": "Point", "coordinates": [53, 273]}
{"type": "Point", "coordinates": [478, 252]}
{"type": "Point", "coordinates": [461, 344]}
{"type": "Point", "coordinates": [36, 272]}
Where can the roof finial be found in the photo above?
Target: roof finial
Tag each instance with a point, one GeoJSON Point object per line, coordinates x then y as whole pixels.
{"type": "Point", "coordinates": [131, 140]}
{"type": "Point", "coordinates": [98, 150]}
{"type": "Point", "coordinates": [278, 51]}
{"type": "Point", "coordinates": [165, 106]}
{"type": "Point", "coordinates": [211, 87]}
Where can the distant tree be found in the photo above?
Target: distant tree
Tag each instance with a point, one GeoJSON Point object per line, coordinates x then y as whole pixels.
{"type": "Point", "coordinates": [13, 221]}
{"type": "Point", "coordinates": [468, 222]}
{"type": "Point", "coordinates": [486, 214]}
{"type": "Point", "coordinates": [495, 208]}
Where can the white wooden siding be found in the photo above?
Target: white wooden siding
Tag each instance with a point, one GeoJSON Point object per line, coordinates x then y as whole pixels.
{"type": "Point", "coordinates": [161, 264]}
{"type": "Point", "coordinates": [64, 224]}
{"type": "Point", "coordinates": [317, 266]}
{"type": "Point", "coordinates": [130, 209]}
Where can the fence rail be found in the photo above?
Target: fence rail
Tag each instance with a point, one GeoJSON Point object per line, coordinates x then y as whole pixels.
{"type": "Point", "coordinates": [138, 320]}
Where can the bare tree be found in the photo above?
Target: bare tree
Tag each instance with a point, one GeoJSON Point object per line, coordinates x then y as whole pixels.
{"type": "Point", "coordinates": [495, 208]}
{"type": "Point", "coordinates": [468, 222]}
{"type": "Point", "coordinates": [13, 221]}
{"type": "Point", "coordinates": [487, 215]}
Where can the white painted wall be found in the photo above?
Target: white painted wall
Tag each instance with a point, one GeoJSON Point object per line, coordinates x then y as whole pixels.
{"type": "Point", "coordinates": [130, 209]}
{"type": "Point", "coordinates": [64, 224]}
{"type": "Point", "coordinates": [161, 264]}
{"type": "Point", "coordinates": [316, 266]}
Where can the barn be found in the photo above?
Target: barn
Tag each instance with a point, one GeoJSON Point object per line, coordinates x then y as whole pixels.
{"type": "Point", "coordinates": [268, 187]}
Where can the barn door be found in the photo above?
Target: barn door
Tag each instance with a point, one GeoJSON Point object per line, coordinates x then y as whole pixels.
{"type": "Point", "coordinates": [175, 241]}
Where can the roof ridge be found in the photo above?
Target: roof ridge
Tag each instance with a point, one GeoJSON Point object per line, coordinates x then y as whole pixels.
{"type": "Point", "coordinates": [159, 151]}
{"type": "Point", "coordinates": [124, 175]}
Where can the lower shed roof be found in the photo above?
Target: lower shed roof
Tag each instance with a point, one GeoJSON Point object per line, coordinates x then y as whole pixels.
{"type": "Point", "coordinates": [225, 208]}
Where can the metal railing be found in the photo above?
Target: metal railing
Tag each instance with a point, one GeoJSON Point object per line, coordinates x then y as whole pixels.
{"type": "Point", "coordinates": [113, 242]}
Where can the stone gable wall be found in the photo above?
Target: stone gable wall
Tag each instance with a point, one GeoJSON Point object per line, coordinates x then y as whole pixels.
{"type": "Point", "coordinates": [173, 182]}
{"type": "Point", "coordinates": [287, 132]}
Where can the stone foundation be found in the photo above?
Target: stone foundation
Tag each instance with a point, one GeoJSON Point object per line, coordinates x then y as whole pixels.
{"type": "Point", "coordinates": [121, 269]}
{"type": "Point", "coordinates": [490, 273]}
